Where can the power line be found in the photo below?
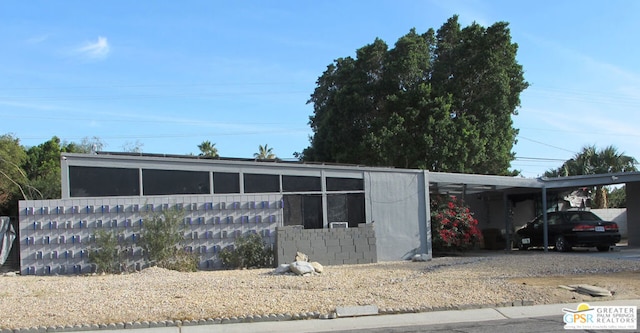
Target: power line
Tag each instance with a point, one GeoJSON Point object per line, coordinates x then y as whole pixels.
{"type": "Point", "coordinates": [170, 121]}
{"type": "Point", "coordinates": [546, 144]}
{"type": "Point", "coordinates": [580, 132]}
{"type": "Point", "coordinates": [540, 159]}
{"type": "Point", "coordinates": [154, 85]}
{"type": "Point", "coordinates": [164, 136]}
{"type": "Point", "coordinates": [146, 96]}
{"type": "Point", "coordinates": [585, 96]}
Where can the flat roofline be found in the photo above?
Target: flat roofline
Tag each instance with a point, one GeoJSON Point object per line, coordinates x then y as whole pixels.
{"type": "Point", "coordinates": [591, 180]}
{"type": "Point", "coordinates": [226, 161]}
{"type": "Point", "coordinates": [436, 179]}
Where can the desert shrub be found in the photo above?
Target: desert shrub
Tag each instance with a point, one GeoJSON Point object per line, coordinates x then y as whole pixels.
{"type": "Point", "coordinates": [181, 260]}
{"type": "Point", "coordinates": [249, 252]}
{"type": "Point", "coordinates": [453, 226]}
{"type": "Point", "coordinates": [106, 253]}
{"type": "Point", "coordinates": [163, 241]}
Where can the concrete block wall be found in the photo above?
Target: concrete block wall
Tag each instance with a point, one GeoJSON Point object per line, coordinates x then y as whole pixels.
{"type": "Point", "coordinates": [337, 246]}
{"type": "Point", "coordinates": [617, 215]}
{"type": "Point", "coordinates": [58, 236]}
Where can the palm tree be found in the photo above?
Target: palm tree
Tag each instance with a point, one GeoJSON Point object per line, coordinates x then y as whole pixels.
{"type": "Point", "coordinates": [609, 160]}
{"type": "Point", "coordinates": [208, 149]}
{"type": "Point", "coordinates": [264, 153]}
{"type": "Point", "coordinates": [591, 161]}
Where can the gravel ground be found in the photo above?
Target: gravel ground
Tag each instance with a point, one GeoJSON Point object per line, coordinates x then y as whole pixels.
{"type": "Point", "coordinates": [444, 283]}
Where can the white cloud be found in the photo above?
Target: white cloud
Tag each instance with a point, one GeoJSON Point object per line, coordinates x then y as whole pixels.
{"type": "Point", "coordinates": [37, 39]}
{"type": "Point", "coordinates": [95, 50]}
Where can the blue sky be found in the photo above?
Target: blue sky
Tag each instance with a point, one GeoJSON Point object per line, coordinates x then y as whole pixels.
{"type": "Point", "coordinates": [171, 74]}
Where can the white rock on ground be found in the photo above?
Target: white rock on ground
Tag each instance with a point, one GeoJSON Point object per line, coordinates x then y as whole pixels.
{"type": "Point", "coordinates": [282, 269]}
{"type": "Point", "coordinates": [317, 266]}
{"type": "Point", "coordinates": [302, 267]}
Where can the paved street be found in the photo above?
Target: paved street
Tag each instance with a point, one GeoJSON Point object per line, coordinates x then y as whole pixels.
{"type": "Point", "coordinates": [525, 325]}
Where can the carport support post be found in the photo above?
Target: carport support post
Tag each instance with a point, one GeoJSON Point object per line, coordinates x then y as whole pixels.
{"type": "Point", "coordinates": [507, 228]}
{"type": "Point", "coordinates": [545, 227]}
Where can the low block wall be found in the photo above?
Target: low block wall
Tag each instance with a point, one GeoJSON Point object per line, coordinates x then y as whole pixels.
{"type": "Point", "coordinates": [327, 246]}
{"type": "Point", "coordinates": [617, 215]}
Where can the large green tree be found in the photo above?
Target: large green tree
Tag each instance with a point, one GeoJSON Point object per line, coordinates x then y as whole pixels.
{"type": "Point", "coordinates": [591, 161]}
{"type": "Point", "coordinates": [441, 101]}
{"type": "Point", "coordinates": [34, 172]}
{"type": "Point", "coordinates": [86, 146]}
{"type": "Point", "coordinates": [43, 168]}
{"type": "Point", "coordinates": [14, 183]}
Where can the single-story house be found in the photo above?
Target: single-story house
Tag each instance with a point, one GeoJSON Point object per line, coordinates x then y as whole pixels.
{"type": "Point", "coordinates": [226, 198]}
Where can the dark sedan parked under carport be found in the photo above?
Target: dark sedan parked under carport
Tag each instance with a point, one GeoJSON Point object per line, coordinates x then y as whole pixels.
{"type": "Point", "coordinates": [568, 229]}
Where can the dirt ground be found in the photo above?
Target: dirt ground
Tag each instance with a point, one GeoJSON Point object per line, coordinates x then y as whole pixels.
{"type": "Point", "coordinates": [481, 279]}
{"type": "Point", "coordinates": [623, 283]}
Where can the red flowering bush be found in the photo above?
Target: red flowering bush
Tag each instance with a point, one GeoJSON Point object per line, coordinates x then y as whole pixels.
{"type": "Point", "coordinates": [453, 226]}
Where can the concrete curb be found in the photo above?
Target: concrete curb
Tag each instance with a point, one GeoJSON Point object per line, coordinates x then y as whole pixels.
{"type": "Point", "coordinates": [297, 317]}
{"type": "Point", "coordinates": [315, 322]}
{"type": "Point", "coordinates": [408, 319]}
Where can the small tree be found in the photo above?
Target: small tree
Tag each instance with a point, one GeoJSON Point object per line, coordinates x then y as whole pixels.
{"type": "Point", "coordinates": [264, 153]}
{"type": "Point", "coordinates": [453, 226]}
{"type": "Point", "coordinates": [163, 239]}
{"type": "Point", "coordinates": [249, 252]}
{"type": "Point", "coordinates": [208, 149]}
{"type": "Point", "coordinates": [618, 198]}
{"type": "Point", "coordinates": [106, 254]}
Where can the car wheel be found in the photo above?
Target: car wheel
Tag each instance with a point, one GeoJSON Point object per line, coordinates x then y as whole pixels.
{"type": "Point", "coordinates": [603, 248]}
{"type": "Point", "coordinates": [562, 245]}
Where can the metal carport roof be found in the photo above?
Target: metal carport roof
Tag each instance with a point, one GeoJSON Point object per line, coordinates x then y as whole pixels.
{"type": "Point", "coordinates": [443, 182]}
{"type": "Point", "coordinates": [455, 183]}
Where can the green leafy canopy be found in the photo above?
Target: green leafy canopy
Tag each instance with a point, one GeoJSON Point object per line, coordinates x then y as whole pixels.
{"type": "Point", "coordinates": [440, 101]}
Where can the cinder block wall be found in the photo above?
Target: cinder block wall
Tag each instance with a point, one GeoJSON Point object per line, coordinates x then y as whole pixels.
{"type": "Point", "coordinates": [58, 236]}
{"type": "Point", "coordinates": [327, 246]}
{"type": "Point", "coordinates": [617, 215]}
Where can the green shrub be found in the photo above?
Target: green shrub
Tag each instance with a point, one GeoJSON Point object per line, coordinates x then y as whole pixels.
{"type": "Point", "coordinates": [163, 241]}
{"type": "Point", "coordinates": [106, 253]}
{"type": "Point", "coordinates": [181, 260]}
{"type": "Point", "coordinates": [249, 252]}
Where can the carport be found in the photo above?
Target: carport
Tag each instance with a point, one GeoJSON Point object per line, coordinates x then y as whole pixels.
{"type": "Point", "coordinates": [468, 185]}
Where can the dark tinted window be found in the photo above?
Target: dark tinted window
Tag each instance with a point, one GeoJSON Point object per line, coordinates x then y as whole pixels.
{"type": "Point", "coordinates": [355, 209]}
{"type": "Point", "coordinates": [578, 216]}
{"type": "Point", "coordinates": [337, 208]}
{"type": "Point", "coordinates": [301, 184]}
{"type": "Point", "coordinates": [303, 210]}
{"type": "Point", "coordinates": [292, 210]}
{"type": "Point", "coordinates": [163, 182]}
{"type": "Point", "coordinates": [312, 210]}
{"type": "Point", "coordinates": [103, 182]}
{"type": "Point", "coordinates": [226, 182]}
{"type": "Point", "coordinates": [257, 183]}
{"type": "Point", "coordinates": [346, 208]}
{"type": "Point", "coordinates": [344, 184]}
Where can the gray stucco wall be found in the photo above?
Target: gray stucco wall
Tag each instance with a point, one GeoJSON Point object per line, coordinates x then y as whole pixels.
{"type": "Point", "coordinates": [617, 215]}
{"type": "Point", "coordinates": [633, 213]}
{"type": "Point", "coordinates": [398, 207]}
